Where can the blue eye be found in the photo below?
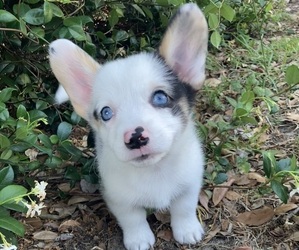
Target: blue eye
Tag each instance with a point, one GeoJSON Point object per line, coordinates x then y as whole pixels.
{"type": "Point", "coordinates": [106, 113]}
{"type": "Point", "coordinates": [160, 99]}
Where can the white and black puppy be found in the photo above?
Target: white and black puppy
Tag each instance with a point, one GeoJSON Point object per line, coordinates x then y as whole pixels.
{"type": "Point", "coordinates": [140, 109]}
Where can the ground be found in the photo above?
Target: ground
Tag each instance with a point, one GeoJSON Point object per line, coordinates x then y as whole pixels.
{"type": "Point", "coordinates": [235, 215]}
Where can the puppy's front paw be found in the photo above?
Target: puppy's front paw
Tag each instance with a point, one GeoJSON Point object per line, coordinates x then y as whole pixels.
{"type": "Point", "coordinates": [139, 239]}
{"type": "Point", "coordinates": [187, 231]}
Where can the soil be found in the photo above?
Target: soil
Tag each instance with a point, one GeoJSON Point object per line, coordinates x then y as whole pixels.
{"type": "Point", "coordinates": [81, 221]}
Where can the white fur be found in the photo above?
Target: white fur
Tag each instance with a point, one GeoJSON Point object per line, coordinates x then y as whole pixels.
{"type": "Point", "coordinates": [171, 176]}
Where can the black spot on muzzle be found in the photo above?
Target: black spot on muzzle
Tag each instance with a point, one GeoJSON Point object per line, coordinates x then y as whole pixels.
{"type": "Point", "coordinates": [137, 140]}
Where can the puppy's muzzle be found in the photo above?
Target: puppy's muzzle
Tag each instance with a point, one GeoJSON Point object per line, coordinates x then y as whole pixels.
{"type": "Point", "coordinates": [137, 139]}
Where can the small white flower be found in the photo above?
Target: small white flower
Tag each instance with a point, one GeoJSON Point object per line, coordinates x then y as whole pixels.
{"type": "Point", "coordinates": [34, 208]}
{"type": "Point", "coordinates": [40, 189]}
{"type": "Point", "coordinates": [8, 247]}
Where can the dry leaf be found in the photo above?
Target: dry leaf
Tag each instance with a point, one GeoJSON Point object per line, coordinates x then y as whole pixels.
{"type": "Point", "coordinates": [204, 199]}
{"type": "Point", "coordinates": [219, 192]}
{"type": "Point", "coordinates": [212, 82]}
{"type": "Point", "coordinates": [162, 217]}
{"type": "Point", "coordinates": [243, 248]}
{"type": "Point", "coordinates": [77, 199]}
{"type": "Point", "coordinates": [65, 187]}
{"type": "Point", "coordinates": [45, 235]}
{"type": "Point", "coordinates": [211, 234]}
{"type": "Point", "coordinates": [284, 208]}
{"type": "Point", "coordinates": [294, 236]}
{"type": "Point", "coordinates": [255, 176]}
{"type": "Point", "coordinates": [232, 195]}
{"type": "Point", "coordinates": [69, 224]}
{"type": "Point", "coordinates": [293, 117]}
{"type": "Point", "coordinates": [165, 235]}
{"type": "Point", "coordinates": [256, 217]}
{"type": "Point", "coordinates": [31, 154]}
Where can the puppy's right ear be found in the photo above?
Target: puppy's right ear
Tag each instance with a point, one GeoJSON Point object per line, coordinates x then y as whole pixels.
{"type": "Point", "coordinates": [75, 70]}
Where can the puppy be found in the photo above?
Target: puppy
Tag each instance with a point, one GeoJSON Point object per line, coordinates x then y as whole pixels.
{"type": "Point", "coordinates": [140, 109]}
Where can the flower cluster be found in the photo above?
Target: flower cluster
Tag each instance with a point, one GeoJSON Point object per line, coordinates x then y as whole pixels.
{"type": "Point", "coordinates": [40, 191]}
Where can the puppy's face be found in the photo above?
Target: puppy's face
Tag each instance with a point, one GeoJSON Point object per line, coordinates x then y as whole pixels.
{"type": "Point", "coordinates": [138, 105]}
{"type": "Point", "coordinates": [138, 108]}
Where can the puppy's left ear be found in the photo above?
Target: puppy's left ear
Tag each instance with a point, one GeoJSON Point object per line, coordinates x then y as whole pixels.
{"type": "Point", "coordinates": [184, 46]}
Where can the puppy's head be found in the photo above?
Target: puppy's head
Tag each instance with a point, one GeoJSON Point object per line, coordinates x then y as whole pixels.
{"type": "Point", "coordinates": [138, 106]}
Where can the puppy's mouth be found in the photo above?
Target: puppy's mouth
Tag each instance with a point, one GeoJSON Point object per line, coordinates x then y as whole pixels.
{"type": "Point", "coordinates": [142, 158]}
{"type": "Point", "coordinates": [147, 159]}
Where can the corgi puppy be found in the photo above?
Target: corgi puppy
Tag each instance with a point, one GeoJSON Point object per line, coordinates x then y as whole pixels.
{"type": "Point", "coordinates": [140, 109]}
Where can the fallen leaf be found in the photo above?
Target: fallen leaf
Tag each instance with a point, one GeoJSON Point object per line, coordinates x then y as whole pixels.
{"type": "Point", "coordinates": [77, 199]}
{"type": "Point", "coordinates": [69, 224]}
{"type": "Point", "coordinates": [65, 187]}
{"type": "Point", "coordinates": [165, 235]}
{"type": "Point", "coordinates": [219, 192]}
{"type": "Point", "coordinates": [162, 217]}
{"type": "Point", "coordinates": [212, 82]}
{"type": "Point", "coordinates": [204, 199]}
{"type": "Point", "coordinates": [45, 235]}
{"type": "Point", "coordinates": [293, 117]}
{"type": "Point", "coordinates": [243, 248]}
{"type": "Point", "coordinates": [232, 195]}
{"type": "Point", "coordinates": [256, 217]}
{"type": "Point", "coordinates": [284, 208]}
{"type": "Point", "coordinates": [255, 176]}
{"type": "Point", "coordinates": [211, 234]}
{"type": "Point", "coordinates": [294, 236]}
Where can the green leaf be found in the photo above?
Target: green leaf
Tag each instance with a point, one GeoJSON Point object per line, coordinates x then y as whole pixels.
{"type": "Point", "coordinates": [247, 97]}
{"type": "Point", "coordinates": [18, 207]}
{"type": "Point", "coordinates": [36, 115]}
{"type": "Point", "coordinates": [213, 21]}
{"type": "Point", "coordinates": [121, 35]}
{"type": "Point", "coordinates": [5, 94]}
{"type": "Point", "coordinates": [269, 163]}
{"type": "Point", "coordinates": [220, 178]}
{"type": "Point", "coordinates": [64, 130]}
{"type": "Point", "coordinates": [56, 10]}
{"type": "Point", "coordinates": [136, 7]}
{"type": "Point", "coordinates": [292, 75]}
{"type": "Point", "coordinates": [280, 190]}
{"type": "Point", "coordinates": [6, 17]}
{"type": "Point", "coordinates": [23, 27]}
{"type": "Point", "coordinates": [22, 112]}
{"type": "Point", "coordinates": [215, 39]}
{"type": "Point", "coordinates": [227, 12]}
{"type": "Point", "coordinates": [77, 32]}
{"type": "Point", "coordinates": [11, 224]}
{"type": "Point", "coordinates": [77, 20]}
{"type": "Point", "coordinates": [113, 18]}
{"type": "Point", "coordinates": [48, 11]}
{"type": "Point", "coordinates": [35, 16]}
{"type": "Point", "coordinates": [148, 13]}
{"type": "Point", "coordinates": [6, 176]}
{"type": "Point", "coordinates": [72, 173]}
{"type": "Point", "coordinates": [239, 112]}
{"type": "Point", "coordinates": [284, 165]}
{"type": "Point", "coordinates": [9, 193]}
{"type": "Point", "coordinates": [4, 143]}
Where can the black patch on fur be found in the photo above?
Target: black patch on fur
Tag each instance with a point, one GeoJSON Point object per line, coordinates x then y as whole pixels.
{"type": "Point", "coordinates": [52, 50]}
{"type": "Point", "coordinates": [96, 115]}
{"type": "Point", "coordinates": [181, 94]}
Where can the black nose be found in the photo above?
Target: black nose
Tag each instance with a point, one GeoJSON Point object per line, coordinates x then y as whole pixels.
{"type": "Point", "coordinates": [137, 140]}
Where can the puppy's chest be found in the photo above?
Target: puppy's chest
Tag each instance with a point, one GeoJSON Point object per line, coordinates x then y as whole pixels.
{"type": "Point", "coordinates": [152, 189]}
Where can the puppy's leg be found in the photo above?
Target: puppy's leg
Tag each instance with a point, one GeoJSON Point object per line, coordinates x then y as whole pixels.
{"type": "Point", "coordinates": [136, 231]}
{"type": "Point", "coordinates": [184, 222]}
